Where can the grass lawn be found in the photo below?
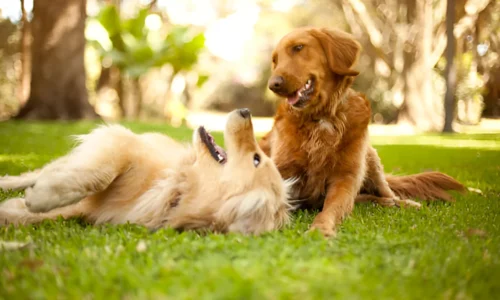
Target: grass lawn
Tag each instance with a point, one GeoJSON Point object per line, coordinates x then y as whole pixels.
{"type": "Point", "coordinates": [443, 251]}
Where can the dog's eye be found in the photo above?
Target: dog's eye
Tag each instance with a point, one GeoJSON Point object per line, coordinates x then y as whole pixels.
{"type": "Point", "coordinates": [256, 160]}
{"type": "Point", "coordinates": [297, 48]}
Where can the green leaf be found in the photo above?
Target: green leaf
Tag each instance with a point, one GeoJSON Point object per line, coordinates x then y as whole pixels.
{"type": "Point", "coordinates": [137, 70]}
{"type": "Point", "coordinates": [134, 53]}
{"type": "Point", "coordinates": [130, 41]}
{"type": "Point", "coordinates": [183, 50]}
{"type": "Point", "coordinates": [142, 53]}
{"type": "Point", "coordinates": [137, 26]}
{"type": "Point", "coordinates": [202, 78]}
{"type": "Point", "coordinates": [197, 43]}
{"type": "Point", "coordinates": [162, 56]}
{"type": "Point", "coordinates": [177, 35]}
{"type": "Point", "coordinates": [110, 20]}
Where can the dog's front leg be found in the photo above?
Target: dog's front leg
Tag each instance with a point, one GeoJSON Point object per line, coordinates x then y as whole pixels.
{"type": "Point", "coordinates": [343, 185]}
{"type": "Point", "coordinates": [339, 203]}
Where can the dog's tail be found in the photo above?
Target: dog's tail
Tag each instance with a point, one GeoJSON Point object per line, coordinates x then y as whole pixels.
{"type": "Point", "coordinates": [425, 186]}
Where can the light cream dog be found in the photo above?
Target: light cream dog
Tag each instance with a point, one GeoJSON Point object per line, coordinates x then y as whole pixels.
{"type": "Point", "coordinates": [116, 176]}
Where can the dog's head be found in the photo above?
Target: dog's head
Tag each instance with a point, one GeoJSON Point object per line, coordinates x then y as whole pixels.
{"type": "Point", "coordinates": [309, 63]}
{"type": "Point", "coordinates": [235, 190]}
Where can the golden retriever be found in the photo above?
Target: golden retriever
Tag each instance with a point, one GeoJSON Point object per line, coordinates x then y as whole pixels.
{"type": "Point", "coordinates": [320, 133]}
{"type": "Point", "coordinates": [116, 176]}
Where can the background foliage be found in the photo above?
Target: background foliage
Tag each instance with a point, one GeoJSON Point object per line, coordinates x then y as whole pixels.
{"type": "Point", "coordinates": [152, 59]}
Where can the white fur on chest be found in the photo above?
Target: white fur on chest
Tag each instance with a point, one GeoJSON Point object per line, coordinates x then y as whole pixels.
{"type": "Point", "coordinates": [325, 125]}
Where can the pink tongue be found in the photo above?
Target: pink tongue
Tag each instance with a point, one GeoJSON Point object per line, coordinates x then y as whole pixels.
{"type": "Point", "coordinates": [293, 99]}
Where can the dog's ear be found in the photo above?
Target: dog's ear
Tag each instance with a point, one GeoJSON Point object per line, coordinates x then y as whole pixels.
{"type": "Point", "coordinates": [341, 50]}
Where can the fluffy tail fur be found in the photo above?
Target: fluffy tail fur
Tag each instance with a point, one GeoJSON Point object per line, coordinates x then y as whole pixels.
{"type": "Point", "coordinates": [425, 186]}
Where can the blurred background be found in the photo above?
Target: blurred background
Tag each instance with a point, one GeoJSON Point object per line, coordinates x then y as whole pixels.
{"type": "Point", "coordinates": [189, 61]}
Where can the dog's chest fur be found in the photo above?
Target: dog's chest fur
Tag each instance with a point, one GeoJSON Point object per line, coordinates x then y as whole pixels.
{"type": "Point", "coordinates": [311, 150]}
{"type": "Point", "coordinates": [298, 149]}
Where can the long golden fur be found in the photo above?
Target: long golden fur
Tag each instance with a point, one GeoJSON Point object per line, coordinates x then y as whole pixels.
{"type": "Point", "coordinates": [320, 133]}
{"type": "Point", "coordinates": [116, 176]}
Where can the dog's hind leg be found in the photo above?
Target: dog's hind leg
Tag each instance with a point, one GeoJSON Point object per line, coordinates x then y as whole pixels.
{"type": "Point", "coordinates": [375, 182]}
{"type": "Point", "coordinates": [386, 201]}
{"type": "Point", "coordinates": [72, 181]}
{"type": "Point", "coordinates": [375, 178]}
{"type": "Point", "coordinates": [90, 168]}
{"type": "Point", "coordinates": [14, 211]}
{"type": "Point", "coordinates": [19, 182]}
{"type": "Point", "coordinates": [27, 179]}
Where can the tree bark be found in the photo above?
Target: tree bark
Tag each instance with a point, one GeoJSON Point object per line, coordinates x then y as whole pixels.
{"type": "Point", "coordinates": [25, 76]}
{"type": "Point", "coordinates": [137, 97]}
{"type": "Point", "coordinates": [450, 71]}
{"type": "Point", "coordinates": [58, 88]}
{"type": "Point", "coordinates": [418, 108]}
{"type": "Point", "coordinates": [168, 96]}
{"type": "Point", "coordinates": [492, 94]}
{"type": "Point", "coordinates": [111, 77]}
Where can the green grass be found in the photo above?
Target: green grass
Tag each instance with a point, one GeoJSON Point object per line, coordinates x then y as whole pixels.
{"type": "Point", "coordinates": [443, 251]}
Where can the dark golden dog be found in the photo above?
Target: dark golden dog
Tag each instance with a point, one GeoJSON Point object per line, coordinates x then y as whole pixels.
{"type": "Point", "coordinates": [320, 134]}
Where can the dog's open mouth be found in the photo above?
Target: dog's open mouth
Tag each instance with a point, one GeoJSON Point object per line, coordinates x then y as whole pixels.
{"type": "Point", "coordinates": [215, 150]}
{"type": "Point", "coordinates": [302, 95]}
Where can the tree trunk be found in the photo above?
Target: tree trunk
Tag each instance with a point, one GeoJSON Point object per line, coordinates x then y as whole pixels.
{"type": "Point", "coordinates": [111, 77]}
{"type": "Point", "coordinates": [25, 76]}
{"type": "Point", "coordinates": [168, 97]}
{"type": "Point", "coordinates": [418, 108]}
{"type": "Point", "coordinates": [492, 94]}
{"type": "Point", "coordinates": [137, 97]}
{"type": "Point", "coordinates": [58, 88]}
{"type": "Point", "coordinates": [450, 71]}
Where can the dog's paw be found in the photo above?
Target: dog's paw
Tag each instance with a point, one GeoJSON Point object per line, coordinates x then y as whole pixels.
{"type": "Point", "coordinates": [8, 183]}
{"type": "Point", "coordinates": [407, 203]}
{"type": "Point", "coordinates": [13, 203]}
{"type": "Point", "coordinates": [18, 182]}
{"type": "Point", "coordinates": [325, 231]}
{"type": "Point", "coordinates": [324, 225]}
{"type": "Point", "coordinates": [45, 196]}
{"type": "Point", "coordinates": [387, 202]}
{"type": "Point", "coordinates": [41, 199]}
{"type": "Point", "coordinates": [8, 216]}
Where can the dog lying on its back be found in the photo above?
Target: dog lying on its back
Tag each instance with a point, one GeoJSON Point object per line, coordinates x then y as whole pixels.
{"type": "Point", "coordinates": [116, 176]}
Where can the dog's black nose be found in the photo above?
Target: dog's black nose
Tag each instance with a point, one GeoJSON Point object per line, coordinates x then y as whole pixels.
{"type": "Point", "coordinates": [244, 112]}
{"type": "Point", "coordinates": [276, 83]}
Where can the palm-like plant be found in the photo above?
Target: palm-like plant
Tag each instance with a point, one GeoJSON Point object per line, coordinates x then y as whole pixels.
{"type": "Point", "coordinates": [128, 45]}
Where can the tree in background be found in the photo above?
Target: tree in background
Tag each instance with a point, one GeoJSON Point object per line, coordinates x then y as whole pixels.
{"type": "Point", "coordinates": [403, 60]}
{"type": "Point", "coordinates": [450, 72]}
{"type": "Point", "coordinates": [407, 39]}
{"type": "Point", "coordinates": [487, 42]}
{"type": "Point", "coordinates": [25, 45]}
{"type": "Point", "coordinates": [58, 88]}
